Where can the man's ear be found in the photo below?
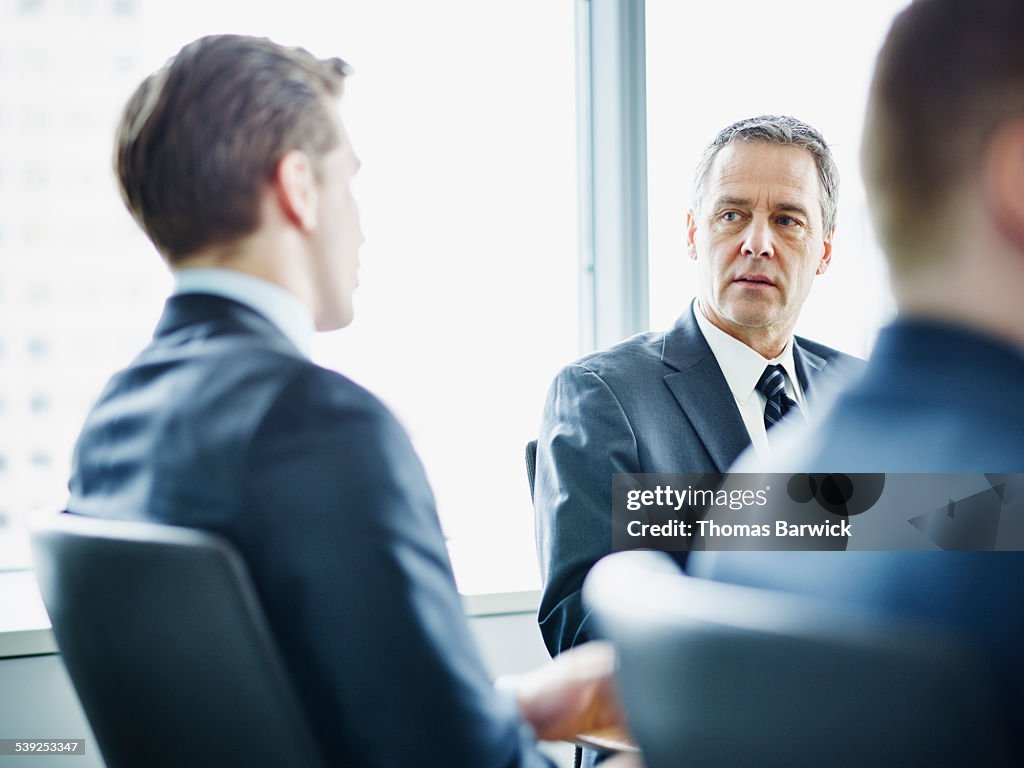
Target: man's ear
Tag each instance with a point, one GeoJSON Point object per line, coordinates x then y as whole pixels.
{"type": "Point", "coordinates": [296, 188]}
{"type": "Point", "coordinates": [691, 231]}
{"type": "Point", "coordinates": [826, 257]}
{"type": "Point", "coordinates": [1003, 180]}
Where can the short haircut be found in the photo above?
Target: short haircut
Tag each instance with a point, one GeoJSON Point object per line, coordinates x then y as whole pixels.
{"type": "Point", "coordinates": [948, 73]}
{"type": "Point", "coordinates": [201, 138]}
{"type": "Point", "coordinates": [787, 132]}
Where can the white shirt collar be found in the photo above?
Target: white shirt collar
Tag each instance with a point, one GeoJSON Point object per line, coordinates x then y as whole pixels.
{"type": "Point", "coordinates": [743, 366]}
{"type": "Point", "coordinates": [279, 306]}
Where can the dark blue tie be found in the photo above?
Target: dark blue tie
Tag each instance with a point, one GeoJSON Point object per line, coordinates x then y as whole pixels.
{"type": "Point", "coordinates": [772, 385]}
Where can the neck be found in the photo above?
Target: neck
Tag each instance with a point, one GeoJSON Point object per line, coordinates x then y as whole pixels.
{"type": "Point", "coordinates": [980, 290]}
{"type": "Point", "coordinates": [266, 255]}
{"type": "Point", "coordinates": [767, 341]}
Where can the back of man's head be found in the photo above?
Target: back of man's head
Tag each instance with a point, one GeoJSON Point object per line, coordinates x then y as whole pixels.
{"type": "Point", "coordinates": [201, 138]}
{"type": "Point", "coordinates": [949, 74]}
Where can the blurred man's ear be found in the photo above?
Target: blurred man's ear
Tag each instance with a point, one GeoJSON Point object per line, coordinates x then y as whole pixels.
{"type": "Point", "coordinates": [296, 188]}
{"type": "Point", "coordinates": [1003, 180]}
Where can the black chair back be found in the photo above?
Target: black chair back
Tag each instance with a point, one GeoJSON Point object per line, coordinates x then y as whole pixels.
{"type": "Point", "coordinates": [167, 647]}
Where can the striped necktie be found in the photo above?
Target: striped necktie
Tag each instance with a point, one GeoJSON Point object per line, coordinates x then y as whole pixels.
{"type": "Point", "coordinates": [772, 385]}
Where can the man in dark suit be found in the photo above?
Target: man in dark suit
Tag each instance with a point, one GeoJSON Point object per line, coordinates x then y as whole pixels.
{"type": "Point", "coordinates": [943, 162]}
{"type": "Point", "coordinates": [234, 161]}
{"type": "Point", "coordinates": [691, 399]}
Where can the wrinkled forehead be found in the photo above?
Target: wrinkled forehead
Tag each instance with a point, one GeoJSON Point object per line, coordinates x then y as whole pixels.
{"type": "Point", "coordinates": [344, 150]}
{"type": "Point", "coordinates": [766, 174]}
{"type": "Point", "coordinates": [756, 163]}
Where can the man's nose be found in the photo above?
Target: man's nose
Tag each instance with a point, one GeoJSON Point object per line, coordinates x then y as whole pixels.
{"type": "Point", "coordinates": [757, 240]}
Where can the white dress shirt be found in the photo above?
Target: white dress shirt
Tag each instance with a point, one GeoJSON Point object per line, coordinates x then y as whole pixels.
{"type": "Point", "coordinates": [280, 307]}
{"type": "Point", "coordinates": [742, 367]}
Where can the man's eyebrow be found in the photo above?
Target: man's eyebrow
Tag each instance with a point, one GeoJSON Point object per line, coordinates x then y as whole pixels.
{"type": "Point", "coordinates": [729, 201]}
{"type": "Point", "coordinates": [739, 202]}
{"type": "Point", "coordinates": [792, 208]}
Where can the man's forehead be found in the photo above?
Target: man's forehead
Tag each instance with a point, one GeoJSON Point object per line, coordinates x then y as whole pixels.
{"type": "Point", "coordinates": [785, 168]}
{"type": "Point", "coordinates": [344, 148]}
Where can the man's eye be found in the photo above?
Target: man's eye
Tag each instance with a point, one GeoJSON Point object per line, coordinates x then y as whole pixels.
{"type": "Point", "coordinates": [787, 221]}
{"type": "Point", "coordinates": [731, 216]}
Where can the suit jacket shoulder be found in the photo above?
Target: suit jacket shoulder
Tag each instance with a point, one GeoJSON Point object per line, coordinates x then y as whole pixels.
{"type": "Point", "coordinates": [220, 424]}
{"type": "Point", "coordinates": [641, 349]}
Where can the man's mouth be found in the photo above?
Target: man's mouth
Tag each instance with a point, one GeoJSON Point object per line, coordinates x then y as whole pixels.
{"type": "Point", "coordinates": [754, 280]}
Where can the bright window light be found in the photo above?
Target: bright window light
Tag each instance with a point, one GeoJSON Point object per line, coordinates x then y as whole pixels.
{"type": "Point", "coordinates": [463, 116]}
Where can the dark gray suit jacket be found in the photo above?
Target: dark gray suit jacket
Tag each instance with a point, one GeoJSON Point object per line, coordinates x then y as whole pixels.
{"type": "Point", "coordinates": [222, 425]}
{"type": "Point", "coordinates": [657, 402]}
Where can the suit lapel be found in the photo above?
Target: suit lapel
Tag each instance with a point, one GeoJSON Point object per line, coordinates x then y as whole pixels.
{"type": "Point", "coordinates": [808, 365]}
{"type": "Point", "coordinates": [699, 386]}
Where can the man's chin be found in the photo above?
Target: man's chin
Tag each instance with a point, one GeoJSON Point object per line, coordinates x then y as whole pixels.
{"type": "Point", "coordinates": [753, 314]}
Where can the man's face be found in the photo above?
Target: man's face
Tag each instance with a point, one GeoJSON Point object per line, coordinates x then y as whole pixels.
{"type": "Point", "coordinates": [758, 238]}
{"type": "Point", "coordinates": [338, 237]}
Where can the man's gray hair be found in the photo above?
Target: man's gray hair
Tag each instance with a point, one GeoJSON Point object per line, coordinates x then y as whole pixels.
{"type": "Point", "coordinates": [785, 131]}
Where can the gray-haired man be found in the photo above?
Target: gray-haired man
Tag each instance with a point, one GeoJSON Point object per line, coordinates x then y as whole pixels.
{"type": "Point", "coordinates": [693, 398]}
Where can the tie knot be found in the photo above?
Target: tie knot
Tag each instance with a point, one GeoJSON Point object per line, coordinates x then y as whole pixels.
{"type": "Point", "coordinates": [772, 382]}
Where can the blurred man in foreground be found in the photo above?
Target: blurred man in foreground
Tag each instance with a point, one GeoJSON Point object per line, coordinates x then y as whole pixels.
{"type": "Point", "coordinates": [943, 162]}
{"type": "Point", "coordinates": [235, 162]}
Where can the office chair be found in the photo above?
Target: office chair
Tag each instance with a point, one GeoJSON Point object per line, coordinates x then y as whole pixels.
{"type": "Point", "coordinates": [713, 674]}
{"type": "Point", "coordinates": [165, 642]}
{"type": "Point", "coordinates": [531, 464]}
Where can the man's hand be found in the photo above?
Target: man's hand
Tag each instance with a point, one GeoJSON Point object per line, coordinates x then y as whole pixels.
{"type": "Point", "coordinates": [631, 760]}
{"type": "Point", "coordinates": [572, 694]}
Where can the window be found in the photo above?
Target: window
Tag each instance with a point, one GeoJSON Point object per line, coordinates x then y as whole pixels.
{"type": "Point", "coordinates": [709, 65]}
{"type": "Point", "coordinates": [463, 115]}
